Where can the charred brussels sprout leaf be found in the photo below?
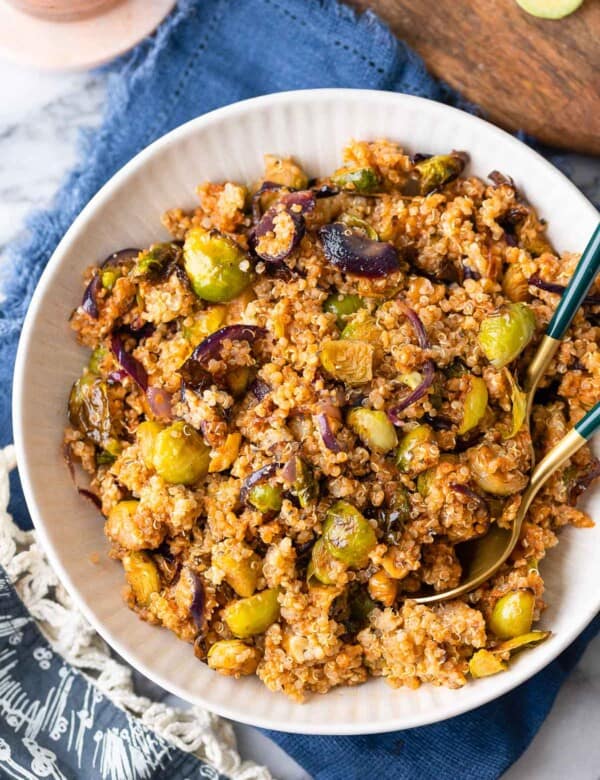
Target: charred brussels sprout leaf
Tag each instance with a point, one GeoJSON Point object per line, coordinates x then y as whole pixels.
{"type": "Point", "coordinates": [440, 169]}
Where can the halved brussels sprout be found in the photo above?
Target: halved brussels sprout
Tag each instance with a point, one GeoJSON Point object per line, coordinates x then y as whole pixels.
{"type": "Point", "coordinates": [343, 306]}
{"type": "Point", "coordinates": [422, 434]}
{"type": "Point", "coordinates": [515, 284]}
{"type": "Point", "coordinates": [266, 497]}
{"type": "Point", "coordinates": [355, 222]}
{"type": "Point", "coordinates": [252, 615]}
{"type": "Point", "coordinates": [362, 327]}
{"type": "Point", "coordinates": [347, 535]}
{"type": "Point", "coordinates": [142, 576]}
{"type": "Point", "coordinates": [484, 462]}
{"type": "Point", "coordinates": [475, 404]}
{"type": "Point", "coordinates": [512, 614]}
{"type": "Point", "coordinates": [374, 428]}
{"type": "Point", "coordinates": [285, 171]}
{"type": "Point", "coordinates": [323, 567]}
{"type": "Point", "coordinates": [205, 322]}
{"type": "Point", "coordinates": [213, 264]}
{"type": "Point", "coordinates": [154, 261]}
{"type": "Point", "coordinates": [356, 179]}
{"type": "Point", "coordinates": [349, 361]}
{"type": "Point", "coordinates": [89, 409]}
{"type": "Point", "coordinates": [504, 335]}
{"type": "Point", "coordinates": [304, 487]}
{"type": "Point", "coordinates": [439, 169]}
{"type": "Point", "coordinates": [180, 455]}
{"type": "Point", "coordinates": [483, 663]}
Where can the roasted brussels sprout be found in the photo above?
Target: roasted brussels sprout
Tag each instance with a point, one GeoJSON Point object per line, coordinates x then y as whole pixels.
{"type": "Point", "coordinates": [266, 497]}
{"type": "Point", "coordinates": [512, 614]}
{"type": "Point", "coordinates": [252, 615]}
{"type": "Point", "coordinates": [475, 404]}
{"type": "Point", "coordinates": [358, 180]}
{"type": "Point", "coordinates": [349, 361]}
{"type": "Point", "coordinates": [89, 409]}
{"type": "Point", "coordinates": [96, 359]}
{"type": "Point", "coordinates": [489, 471]}
{"type": "Point", "coordinates": [233, 657]}
{"type": "Point", "coordinates": [217, 268]}
{"type": "Point", "coordinates": [439, 169]}
{"type": "Point", "coordinates": [323, 567]}
{"type": "Point", "coordinates": [122, 528]}
{"type": "Point", "coordinates": [347, 535]}
{"type": "Point", "coordinates": [362, 327]}
{"type": "Point", "coordinates": [343, 306]}
{"type": "Point", "coordinates": [422, 434]}
{"type": "Point", "coordinates": [304, 486]}
{"type": "Point", "coordinates": [223, 457]}
{"type": "Point", "coordinates": [156, 260]}
{"type": "Point", "coordinates": [108, 277]}
{"type": "Point", "coordinates": [180, 455]}
{"type": "Point", "coordinates": [515, 285]}
{"type": "Point", "coordinates": [504, 335]}
{"type": "Point", "coordinates": [374, 429]}
{"type": "Point", "coordinates": [142, 576]}
{"type": "Point", "coordinates": [205, 323]}
{"type": "Point", "coordinates": [355, 222]}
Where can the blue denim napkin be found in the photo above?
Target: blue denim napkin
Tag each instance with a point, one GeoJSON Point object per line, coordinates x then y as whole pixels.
{"type": "Point", "coordinates": [207, 54]}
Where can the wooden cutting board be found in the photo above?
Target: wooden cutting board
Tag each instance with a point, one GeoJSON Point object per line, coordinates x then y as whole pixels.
{"type": "Point", "coordinates": [538, 75]}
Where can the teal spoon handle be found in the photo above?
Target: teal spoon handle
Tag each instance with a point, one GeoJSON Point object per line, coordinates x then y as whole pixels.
{"type": "Point", "coordinates": [589, 424]}
{"type": "Point", "coordinates": [578, 288]}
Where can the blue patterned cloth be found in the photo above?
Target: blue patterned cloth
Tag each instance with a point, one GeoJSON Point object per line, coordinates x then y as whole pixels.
{"type": "Point", "coordinates": [207, 54]}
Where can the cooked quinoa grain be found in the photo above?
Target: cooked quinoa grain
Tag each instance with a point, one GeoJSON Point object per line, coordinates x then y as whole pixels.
{"type": "Point", "coordinates": [297, 410]}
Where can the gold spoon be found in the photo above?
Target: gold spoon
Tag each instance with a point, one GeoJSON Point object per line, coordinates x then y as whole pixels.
{"type": "Point", "coordinates": [487, 553]}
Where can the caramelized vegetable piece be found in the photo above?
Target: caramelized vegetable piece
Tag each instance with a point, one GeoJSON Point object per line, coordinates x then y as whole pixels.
{"type": "Point", "coordinates": [512, 614]}
{"type": "Point", "coordinates": [142, 576]}
{"type": "Point", "coordinates": [240, 566]}
{"type": "Point", "coordinates": [253, 615]}
{"type": "Point", "coordinates": [440, 169]}
{"type": "Point", "coordinates": [343, 306]}
{"type": "Point", "coordinates": [217, 268]}
{"type": "Point", "coordinates": [483, 663]}
{"type": "Point", "coordinates": [304, 487]}
{"type": "Point", "coordinates": [180, 455]}
{"type": "Point", "coordinates": [222, 458]}
{"type": "Point", "coordinates": [205, 323]}
{"type": "Point", "coordinates": [374, 429]}
{"type": "Point", "coordinates": [356, 179]}
{"type": "Point", "coordinates": [323, 567]}
{"type": "Point", "coordinates": [504, 335]}
{"type": "Point", "coordinates": [285, 171]}
{"type": "Point", "coordinates": [266, 497]}
{"type": "Point", "coordinates": [420, 435]}
{"type": "Point", "coordinates": [362, 327]}
{"type": "Point", "coordinates": [355, 222]}
{"type": "Point", "coordinates": [146, 434]}
{"type": "Point", "coordinates": [96, 359]}
{"type": "Point", "coordinates": [89, 409]}
{"type": "Point", "coordinates": [515, 285]}
{"type": "Point", "coordinates": [520, 642]}
{"type": "Point", "coordinates": [233, 658]}
{"type": "Point", "coordinates": [347, 535]}
{"type": "Point", "coordinates": [487, 468]}
{"type": "Point", "coordinates": [519, 406]}
{"type": "Point", "coordinates": [350, 362]}
{"type": "Point", "coordinates": [383, 588]}
{"type": "Point", "coordinates": [121, 527]}
{"type": "Point", "coordinates": [475, 404]}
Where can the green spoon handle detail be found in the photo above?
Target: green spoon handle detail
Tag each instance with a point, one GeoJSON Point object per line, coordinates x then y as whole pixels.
{"type": "Point", "coordinates": [589, 424]}
{"type": "Point", "coordinates": [578, 287]}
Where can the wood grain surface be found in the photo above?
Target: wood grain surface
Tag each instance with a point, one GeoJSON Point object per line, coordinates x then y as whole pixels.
{"type": "Point", "coordinates": [533, 74]}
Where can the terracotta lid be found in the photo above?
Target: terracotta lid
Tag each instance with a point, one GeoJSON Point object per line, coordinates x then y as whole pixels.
{"type": "Point", "coordinates": [86, 41]}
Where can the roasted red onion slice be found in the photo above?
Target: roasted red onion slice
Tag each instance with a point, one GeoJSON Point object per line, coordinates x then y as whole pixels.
{"type": "Point", "coordinates": [160, 402]}
{"type": "Point", "coordinates": [133, 367]}
{"type": "Point", "coordinates": [352, 252]}
{"type": "Point", "coordinates": [414, 395]}
{"type": "Point", "coordinates": [266, 186]}
{"type": "Point", "coordinates": [198, 600]}
{"type": "Point", "coordinates": [327, 434]}
{"type": "Point", "coordinates": [256, 477]}
{"type": "Point", "coordinates": [295, 205]}
{"type": "Point", "coordinates": [120, 257]}
{"type": "Point", "coordinates": [465, 490]}
{"type": "Point", "coordinates": [210, 348]}
{"type": "Point", "coordinates": [590, 300]}
{"type": "Point", "coordinates": [89, 303]}
{"type": "Point", "coordinates": [416, 323]}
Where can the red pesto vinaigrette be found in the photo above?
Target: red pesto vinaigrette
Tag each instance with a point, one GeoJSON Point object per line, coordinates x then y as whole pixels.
{"type": "Point", "coordinates": [63, 10]}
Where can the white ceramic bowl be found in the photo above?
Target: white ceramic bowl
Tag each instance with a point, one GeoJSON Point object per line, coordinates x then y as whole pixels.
{"type": "Point", "coordinates": [229, 144]}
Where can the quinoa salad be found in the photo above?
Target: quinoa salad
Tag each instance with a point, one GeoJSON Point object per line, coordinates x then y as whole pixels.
{"type": "Point", "coordinates": [299, 409]}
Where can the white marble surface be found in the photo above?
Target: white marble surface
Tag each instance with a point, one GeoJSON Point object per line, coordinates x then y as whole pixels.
{"type": "Point", "coordinates": [39, 120]}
